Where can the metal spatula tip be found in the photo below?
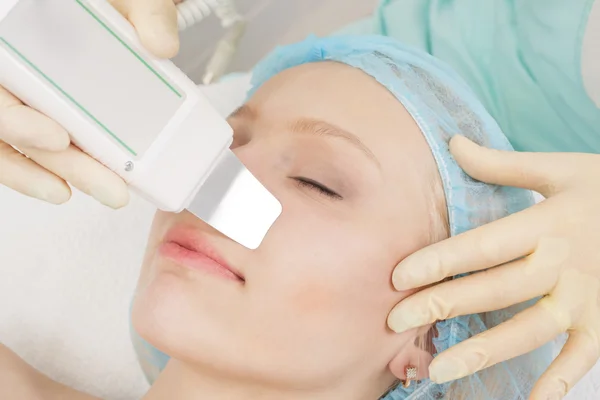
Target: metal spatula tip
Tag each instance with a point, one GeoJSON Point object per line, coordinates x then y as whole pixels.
{"type": "Point", "coordinates": [235, 203]}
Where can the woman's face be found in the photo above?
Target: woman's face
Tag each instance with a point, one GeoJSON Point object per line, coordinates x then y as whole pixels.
{"type": "Point", "coordinates": [356, 181]}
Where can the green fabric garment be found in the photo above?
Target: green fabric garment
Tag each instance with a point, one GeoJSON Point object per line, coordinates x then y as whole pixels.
{"type": "Point", "coordinates": [522, 58]}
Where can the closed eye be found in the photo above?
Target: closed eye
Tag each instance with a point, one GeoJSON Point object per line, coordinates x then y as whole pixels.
{"type": "Point", "coordinates": [319, 187]}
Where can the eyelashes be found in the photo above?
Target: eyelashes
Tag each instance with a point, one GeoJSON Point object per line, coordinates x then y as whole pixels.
{"type": "Point", "coordinates": [319, 187]}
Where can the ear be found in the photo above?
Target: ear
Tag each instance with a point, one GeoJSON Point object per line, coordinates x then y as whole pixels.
{"type": "Point", "coordinates": [417, 353]}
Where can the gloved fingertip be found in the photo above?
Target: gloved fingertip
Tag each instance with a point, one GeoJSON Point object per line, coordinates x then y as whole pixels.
{"type": "Point", "coordinates": [114, 196]}
{"type": "Point", "coordinates": [460, 145]}
{"type": "Point", "coordinates": [121, 201]}
{"type": "Point", "coordinates": [445, 370]}
{"type": "Point", "coordinates": [549, 390]}
{"type": "Point", "coordinates": [396, 323]}
{"type": "Point", "coordinates": [160, 35]}
{"type": "Point", "coordinates": [458, 139]}
{"type": "Point", "coordinates": [407, 276]}
{"type": "Point", "coordinates": [163, 46]}
{"type": "Point", "coordinates": [397, 281]}
{"type": "Point", "coordinates": [405, 317]}
{"type": "Point", "coordinates": [53, 195]}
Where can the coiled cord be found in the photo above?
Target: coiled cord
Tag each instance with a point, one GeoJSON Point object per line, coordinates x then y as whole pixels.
{"type": "Point", "coordinates": [190, 12]}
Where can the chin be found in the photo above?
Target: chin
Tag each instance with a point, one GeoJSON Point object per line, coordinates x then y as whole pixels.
{"type": "Point", "coordinates": [168, 314]}
{"type": "Point", "coordinates": [188, 317]}
{"type": "Point", "coordinates": [155, 316]}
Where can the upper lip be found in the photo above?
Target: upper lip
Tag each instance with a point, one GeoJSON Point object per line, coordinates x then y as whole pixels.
{"type": "Point", "coordinates": [191, 239]}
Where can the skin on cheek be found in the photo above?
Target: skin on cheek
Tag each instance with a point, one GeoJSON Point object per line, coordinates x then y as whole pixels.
{"type": "Point", "coordinates": [324, 280]}
{"type": "Point", "coordinates": [345, 295]}
{"type": "Point", "coordinates": [312, 298]}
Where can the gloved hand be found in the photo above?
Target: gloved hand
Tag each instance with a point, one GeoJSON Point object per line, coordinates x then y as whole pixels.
{"type": "Point", "coordinates": [558, 240]}
{"type": "Point", "coordinates": [51, 160]}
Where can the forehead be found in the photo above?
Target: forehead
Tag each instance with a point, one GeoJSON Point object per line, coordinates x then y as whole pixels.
{"type": "Point", "coordinates": [333, 92]}
{"type": "Point", "coordinates": [350, 99]}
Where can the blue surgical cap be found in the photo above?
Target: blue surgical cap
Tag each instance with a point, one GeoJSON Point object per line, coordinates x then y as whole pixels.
{"type": "Point", "coordinates": [443, 106]}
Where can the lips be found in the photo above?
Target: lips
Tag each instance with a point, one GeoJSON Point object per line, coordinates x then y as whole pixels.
{"type": "Point", "coordinates": [189, 247]}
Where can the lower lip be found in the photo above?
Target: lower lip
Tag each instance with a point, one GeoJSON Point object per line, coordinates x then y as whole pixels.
{"type": "Point", "coordinates": [195, 260]}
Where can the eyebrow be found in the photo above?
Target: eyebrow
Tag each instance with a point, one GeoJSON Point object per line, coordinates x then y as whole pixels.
{"type": "Point", "coordinates": [315, 127]}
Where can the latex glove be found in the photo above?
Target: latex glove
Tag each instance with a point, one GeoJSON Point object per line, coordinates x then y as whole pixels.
{"type": "Point", "coordinates": [558, 240]}
{"type": "Point", "coordinates": [155, 22]}
{"type": "Point", "coordinates": [51, 160]}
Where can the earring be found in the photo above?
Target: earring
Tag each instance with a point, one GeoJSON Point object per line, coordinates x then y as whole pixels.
{"type": "Point", "coordinates": [411, 374]}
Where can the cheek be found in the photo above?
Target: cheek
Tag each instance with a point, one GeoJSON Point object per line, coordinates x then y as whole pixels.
{"type": "Point", "coordinates": [319, 267]}
{"type": "Point", "coordinates": [308, 297]}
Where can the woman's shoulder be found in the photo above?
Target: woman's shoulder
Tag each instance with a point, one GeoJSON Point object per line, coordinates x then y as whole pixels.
{"type": "Point", "coordinates": [19, 380]}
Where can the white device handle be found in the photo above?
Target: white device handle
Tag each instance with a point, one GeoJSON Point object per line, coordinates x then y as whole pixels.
{"type": "Point", "coordinates": [81, 63]}
{"type": "Point", "coordinates": [144, 119]}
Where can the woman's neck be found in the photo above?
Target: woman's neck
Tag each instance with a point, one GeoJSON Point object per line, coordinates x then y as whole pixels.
{"type": "Point", "coordinates": [181, 382]}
